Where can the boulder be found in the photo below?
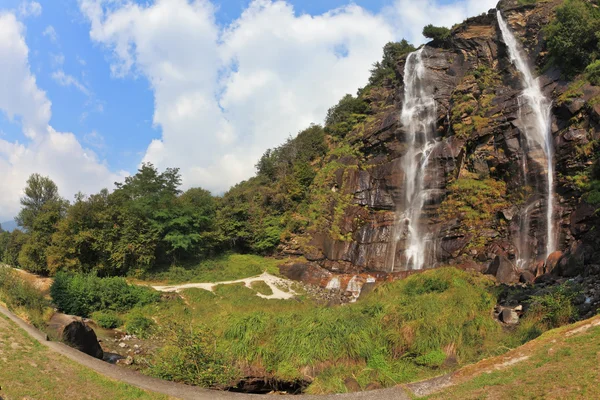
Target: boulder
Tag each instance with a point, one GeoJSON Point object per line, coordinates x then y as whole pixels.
{"type": "Point", "coordinates": [504, 270]}
{"type": "Point", "coordinates": [509, 316]}
{"type": "Point", "coordinates": [74, 332]}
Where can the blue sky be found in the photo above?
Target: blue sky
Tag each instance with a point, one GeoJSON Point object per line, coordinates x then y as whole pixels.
{"type": "Point", "coordinates": [193, 84]}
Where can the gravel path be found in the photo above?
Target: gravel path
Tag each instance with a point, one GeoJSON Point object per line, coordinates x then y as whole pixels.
{"type": "Point", "coordinates": [274, 282]}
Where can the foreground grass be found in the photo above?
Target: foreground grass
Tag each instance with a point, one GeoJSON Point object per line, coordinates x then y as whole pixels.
{"type": "Point", "coordinates": [31, 371]}
{"type": "Point", "coordinates": [407, 330]}
{"type": "Point", "coordinates": [223, 268]}
{"type": "Point", "coordinates": [559, 367]}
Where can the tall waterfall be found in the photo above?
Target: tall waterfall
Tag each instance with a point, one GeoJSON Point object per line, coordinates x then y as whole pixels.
{"type": "Point", "coordinates": [418, 119]}
{"type": "Point", "coordinates": [537, 129]}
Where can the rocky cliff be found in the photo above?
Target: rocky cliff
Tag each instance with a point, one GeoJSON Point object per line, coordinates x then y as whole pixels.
{"type": "Point", "coordinates": [483, 209]}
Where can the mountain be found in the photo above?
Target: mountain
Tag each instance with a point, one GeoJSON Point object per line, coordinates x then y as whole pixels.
{"type": "Point", "coordinates": [9, 225]}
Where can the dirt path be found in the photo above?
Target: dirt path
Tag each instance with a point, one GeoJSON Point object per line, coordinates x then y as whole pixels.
{"type": "Point", "coordinates": [274, 282]}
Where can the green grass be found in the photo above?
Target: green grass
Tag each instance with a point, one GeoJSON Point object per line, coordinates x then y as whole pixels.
{"type": "Point", "coordinates": [21, 297]}
{"type": "Point", "coordinates": [29, 370]}
{"type": "Point", "coordinates": [401, 332]}
{"type": "Point", "coordinates": [559, 367]}
{"type": "Point", "coordinates": [224, 268]}
{"type": "Point", "coordinates": [262, 287]}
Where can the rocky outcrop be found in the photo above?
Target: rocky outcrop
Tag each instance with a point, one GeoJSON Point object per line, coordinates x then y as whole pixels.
{"type": "Point", "coordinates": [480, 198]}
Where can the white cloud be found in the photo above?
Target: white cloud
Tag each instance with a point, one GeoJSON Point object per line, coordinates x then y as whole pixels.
{"type": "Point", "coordinates": [69, 80]}
{"type": "Point", "coordinates": [58, 155]}
{"type": "Point", "coordinates": [51, 34]}
{"type": "Point", "coordinates": [408, 17]}
{"type": "Point", "coordinates": [57, 59]}
{"type": "Point", "coordinates": [30, 9]}
{"type": "Point", "coordinates": [223, 95]}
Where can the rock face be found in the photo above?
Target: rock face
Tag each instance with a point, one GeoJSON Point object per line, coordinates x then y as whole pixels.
{"type": "Point", "coordinates": [484, 210]}
{"type": "Point", "coordinates": [74, 332]}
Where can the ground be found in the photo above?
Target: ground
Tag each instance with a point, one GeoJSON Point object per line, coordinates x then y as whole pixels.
{"type": "Point", "coordinates": [32, 371]}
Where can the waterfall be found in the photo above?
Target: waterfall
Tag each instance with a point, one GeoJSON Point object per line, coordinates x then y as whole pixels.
{"type": "Point", "coordinates": [537, 129]}
{"type": "Point", "coordinates": [418, 118]}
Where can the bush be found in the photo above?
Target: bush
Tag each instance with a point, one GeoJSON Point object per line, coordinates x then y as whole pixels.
{"type": "Point", "coordinates": [81, 294]}
{"type": "Point", "coordinates": [436, 32]}
{"type": "Point", "coordinates": [554, 308]}
{"type": "Point", "coordinates": [139, 325]}
{"type": "Point", "coordinates": [190, 357]}
{"type": "Point", "coordinates": [433, 359]}
{"type": "Point", "coordinates": [107, 319]}
{"type": "Point", "coordinates": [593, 73]}
{"type": "Point", "coordinates": [342, 117]}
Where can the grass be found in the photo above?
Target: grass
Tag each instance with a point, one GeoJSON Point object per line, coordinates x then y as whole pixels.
{"type": "Point", "coordinates": [403, 331]}
{"type": "Point", "coordinates": [262, 287]}
{"type": "Point", "coordinates": [23, 298]}
{"type": "Point", "coordinates": [29, 370]}
{"type": "Point", "coordinates": [224, 268]}
{"type": "Point", "coordinates": [560, 367]}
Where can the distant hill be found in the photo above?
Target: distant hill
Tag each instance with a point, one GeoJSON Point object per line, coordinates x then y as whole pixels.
{"type": "Point", "coordinates": [9, 225]}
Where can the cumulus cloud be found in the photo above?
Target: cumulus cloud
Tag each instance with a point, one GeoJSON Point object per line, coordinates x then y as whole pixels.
{"type": "Point", "coordinates": [224, 94]}
{"type": "Point", "coordinates": [45, 150]}
{"type": "Point", "coordinates": [408, 17]}
{"type": "Point", "coordinates": [30, 9]}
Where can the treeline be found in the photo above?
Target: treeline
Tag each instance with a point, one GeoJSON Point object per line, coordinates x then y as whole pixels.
{"type": "Point", "coordinates": [148, 222]}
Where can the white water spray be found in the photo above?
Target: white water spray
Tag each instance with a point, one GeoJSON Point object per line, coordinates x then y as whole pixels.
{"type": "Point", "coordinates": [418, 117]}
{"type": "Point", "coordinates": [538, 128]}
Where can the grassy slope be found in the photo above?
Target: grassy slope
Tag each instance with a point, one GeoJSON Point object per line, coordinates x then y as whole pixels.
{"type": "Point", "coordinates": [223, 268]}
{"type": "Point", "coordinates": [562, 364]}
{"type": "Point", "coordinates": [402, 332]}
{"type": "Point", "coordinates": [29, 370]}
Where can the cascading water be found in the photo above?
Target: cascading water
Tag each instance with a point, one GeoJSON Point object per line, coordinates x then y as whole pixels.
{"type": "Point", "coordinates": [418, 119]}
{"type": "Point", "coordinates": [537, 130]}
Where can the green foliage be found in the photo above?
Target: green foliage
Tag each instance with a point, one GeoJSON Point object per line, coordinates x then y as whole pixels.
{"type": "Point", "coordinates": [436, 32]}
{"type": "Point", "coordinates": [573, 36]}
{"type": "Point", "coordinates": [4, 239]}
{"type": "Point", "coordinates": [15, 243]}
{"type": "Point", "coordinates": [384, 71]}
{"type": "Point", "coordinates": [107, 319]}
{"type": "Point", "coordinates": [593, 73]}
{"type": "Point", "coordinates": [434, 359]}
{"type": "Point", "coordinates": [138, 324]}
{"type": "Point", "coordinates": [82, 294]}
{"type": "Point", "coordinates": [474, 200]}
{"type": "Point", "coordinates": [190, 357]}
{"type": "Point", "coordinates": [554, 308]}
{"type": "Point", "coordinates": [342, 117]}
{"type": "Point", "coordinates": [18, 294]}
{"type": "Point", "coordinates": [262, 287]}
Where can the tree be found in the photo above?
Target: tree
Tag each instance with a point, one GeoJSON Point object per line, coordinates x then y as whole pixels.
{"type": "Point", "coordinates": [13, 247]}
{"type": "Point", "coordinates": [573, 37]}
{"type": "Point", "coordinates": [40, 190]}
{"type": "Point", "coordinates": [438, 33]}
{"type": "Point", "coordinates": [385, 70]}
{"type": "Point", "coordinates": [342, 117]}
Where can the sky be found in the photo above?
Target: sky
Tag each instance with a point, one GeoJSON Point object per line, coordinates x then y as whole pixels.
{"type": "Point", "coordinates": [90, 89]}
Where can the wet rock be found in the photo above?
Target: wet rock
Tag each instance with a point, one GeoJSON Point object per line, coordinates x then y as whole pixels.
{"type": "Point", "coordinates": [526, 277]}
{"type": "Point", "coordinates": [504, 270]}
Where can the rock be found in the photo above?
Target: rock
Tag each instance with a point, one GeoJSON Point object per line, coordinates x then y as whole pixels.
{"type": "Point", "coordinates": [503, 270]}
{"type": "Point", "coordinates": [122, 345]}
{"type": "Point", "coordinates": [526, 277]}
{"type": "Point", "coordinates": [509, 316]}
{"type": "Point", "coordinates": [552, 261]}
{"type": "Point", "coordinates": [74, 332]}
{"type": "Point", "coordinates": [126, 361]}
{"type": "Point", "coordinates": [352, 385]}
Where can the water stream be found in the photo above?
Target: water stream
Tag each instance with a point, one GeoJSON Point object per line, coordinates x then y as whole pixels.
{"type": "Point", "coordinates": [534, 112]}
{"type": "Point", "coordinates": [418, 118]}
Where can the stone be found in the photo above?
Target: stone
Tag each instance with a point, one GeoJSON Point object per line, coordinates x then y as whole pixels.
{"type": "Point", "coordinates": [122, 345]}
{"type": "Point", "coordinates": [509, 316]}
{"type": "Point", "coordinates": [352, 385]}
{"type": "Point", "coordinates": [126, 361]}
{"type": "Point", "coordinates": [526, 277]}
{"type": "Point", "coordinates": [504, 270]}
{"type": "Point", "coordinates": [75, 333]}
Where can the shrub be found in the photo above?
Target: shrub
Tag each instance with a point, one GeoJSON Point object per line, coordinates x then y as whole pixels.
{"type": "Point", "coordinates": [436, 32]}
{"type": "Point", "coordinates": [82, 294]}
{"type": "Point", "coordinates": [554, 308]}
{"type": "Point", "coordinates": [433, 359]}
{"type": "Point", "coordinates": [189, 357]}
{"type": "Point", "coordinates": [137, 324]}
{"type": "Point", "coordinates": [107, 319]}
{"type": "Point", "coordinates": [593, 73]}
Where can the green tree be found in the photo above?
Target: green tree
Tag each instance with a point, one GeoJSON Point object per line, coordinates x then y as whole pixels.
{"type": "Point", "coordinates": [573, 36]}
{"type": "Point", "coordinates": [342, 117]}
{"type": "Point", "coordinates": [385, 70]}
{"type": "Point", "coordinates": [437, 33]}
{"type": "Point", "coordinates": [13, 247]}
{"type": "Point", "coordinates": [39, 192]}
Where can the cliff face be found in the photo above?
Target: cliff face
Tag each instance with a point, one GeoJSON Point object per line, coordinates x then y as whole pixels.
{"type": "Point", "coordinates": [483, 208]}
